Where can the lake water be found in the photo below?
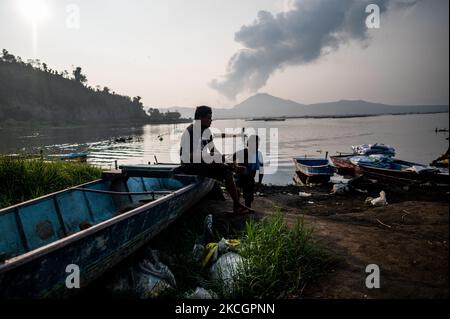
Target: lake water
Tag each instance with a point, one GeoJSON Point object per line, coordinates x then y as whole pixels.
{"type": "Point", "coordinates": [413, 137]}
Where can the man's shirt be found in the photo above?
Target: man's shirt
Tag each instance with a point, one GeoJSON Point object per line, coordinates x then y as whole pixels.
{"type": "Point", "coordinates": [196, 143]}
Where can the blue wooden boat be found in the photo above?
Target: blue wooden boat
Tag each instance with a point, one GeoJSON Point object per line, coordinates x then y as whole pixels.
{"type": "Point", "coordinates": [93, 226]}
{"type": "Point", "coordinates": [313, 170]}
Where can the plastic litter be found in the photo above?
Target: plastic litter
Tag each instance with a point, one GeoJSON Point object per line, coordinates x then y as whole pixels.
{"type": "Point", "coordinates": [304, 194]}
{"type": "Point", "coordinates": [379, 201]}
{"type": "Point", "coordinates": [148, 279]}
{"type": "Point", "coordinates": [340, 189]}
{"type": "Point", "coordinates": [213, 250]}
{"type": "Point", "coordinates": [211, 254]}
{"type": "Point", "coordinates": [202, 293]}
{"type": "Point", "coordinates": [377, 148]}
{"type": "Point", "coordinates": [198, 251]}
{"type": "Point", "coordinates": [226, 269]}
{"type": "Point", "coordinates": [382, 161]}
{"type": "Point", "coordinates": [420, 168]}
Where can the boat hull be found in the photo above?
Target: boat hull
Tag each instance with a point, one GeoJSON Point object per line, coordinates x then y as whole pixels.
{"type": "Point", "coordinates": [310, 170]}
{"type": "Point", "coordinates": [402, 177]}
{"type": "Point", "coordinates": [343, 164]}
{"type": "Point", "coordinates": [302, 179]}
{"type": "Point", "coordinates": [41, 273]}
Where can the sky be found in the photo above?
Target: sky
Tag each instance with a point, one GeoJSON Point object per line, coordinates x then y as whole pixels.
{"type": "Point", "coordinates": [219, 52]}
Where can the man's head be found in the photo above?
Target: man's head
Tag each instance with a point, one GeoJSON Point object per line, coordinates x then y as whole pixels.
{"type": "Point", "coordinates": [204, 114]}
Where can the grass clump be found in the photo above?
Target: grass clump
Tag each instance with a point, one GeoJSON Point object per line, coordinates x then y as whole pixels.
{"type": "Point", "coordinates": [278, 260]}
{"type": "Point", "coordinates": [22, 179]}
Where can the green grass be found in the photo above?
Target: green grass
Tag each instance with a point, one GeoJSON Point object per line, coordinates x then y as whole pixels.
{"type": "Point", "coordinates": [22, 179]}
{"type": "Point", "coordinates": [279, 261]}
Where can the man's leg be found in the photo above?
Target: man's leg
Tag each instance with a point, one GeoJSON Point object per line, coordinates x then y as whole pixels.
{"type": "Point", "coordinates": [249, 188]}
{"type": "Point", "coordinates": [230, 185]}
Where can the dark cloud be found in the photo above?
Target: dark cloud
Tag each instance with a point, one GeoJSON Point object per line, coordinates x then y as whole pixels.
{"type": "Point", "coordinates": [309, 30]}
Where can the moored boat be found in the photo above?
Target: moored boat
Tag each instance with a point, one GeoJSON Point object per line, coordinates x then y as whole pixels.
{"type": "Point", "coordinates": [403, 172]}
{"type": "Point", "coordinates": [343, 164]}
{"type": "Point", "coordinates": [388, 169]}
{"type": "Point", "coordinates": [313, 170]}
{"type": "Point", "coordinates": [92, 226]}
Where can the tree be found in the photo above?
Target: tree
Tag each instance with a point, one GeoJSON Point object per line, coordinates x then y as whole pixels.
{"type": "Point", "coordinates": [78, 76]}
{"type": "Point", "coordinates": [106, 90]}
{"type": "Point", "coordinates": [44, 66]}
{"type": "Point", "coordinates": [137, 101]}
{"type": "Point", "coordinates": [172, 115]}
{"type": "Point", "coordinates": [154, 114]}
{"type": "Point", "coordinates": [8, 57]}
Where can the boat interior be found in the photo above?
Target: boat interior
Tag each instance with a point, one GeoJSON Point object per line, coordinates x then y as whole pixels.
{"type": "Point", "coordinates": [38, 222]}
{"type": "Point", "coordinates": [312, 161]}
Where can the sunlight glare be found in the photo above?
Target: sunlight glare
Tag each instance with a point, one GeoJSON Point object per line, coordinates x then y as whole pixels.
{"type": "Point", "coordinates": [35, 10]}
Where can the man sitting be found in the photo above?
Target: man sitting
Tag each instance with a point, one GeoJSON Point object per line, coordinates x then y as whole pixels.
{"type": "Point", "coordinates": [199, 156]}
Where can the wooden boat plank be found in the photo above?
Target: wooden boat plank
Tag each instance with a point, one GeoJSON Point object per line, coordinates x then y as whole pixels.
{"type": "Point", "coordinates": [75, 210]}
{"type": "Point", "coordinates": [40, 223]}
{"type": "Point", "coordinates": [13, 238]}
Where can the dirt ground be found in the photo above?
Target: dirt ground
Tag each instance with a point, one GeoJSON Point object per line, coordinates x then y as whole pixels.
{"type": "Point", "coordinates": [407, 239]}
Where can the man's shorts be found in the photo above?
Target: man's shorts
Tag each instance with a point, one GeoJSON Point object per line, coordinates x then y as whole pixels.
{"type": "Point", "coordinates": [217, 171]}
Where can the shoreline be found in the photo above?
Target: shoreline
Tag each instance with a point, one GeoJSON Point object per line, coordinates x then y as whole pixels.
{"type": "Point", "coordinates": [408, 238]}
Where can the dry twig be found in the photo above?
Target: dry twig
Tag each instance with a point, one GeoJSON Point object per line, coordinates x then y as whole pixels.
{"type": "Point", "coordinates": [383, 223]}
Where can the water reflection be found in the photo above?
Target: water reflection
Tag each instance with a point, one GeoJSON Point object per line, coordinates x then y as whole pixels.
{"type": "Point", "coordinates": [413, 136]}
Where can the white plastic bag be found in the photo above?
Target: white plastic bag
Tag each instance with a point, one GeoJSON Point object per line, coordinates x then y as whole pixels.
{"type": "Point", "coordinates": [226, 269]}
{"type": "Point", "coordinates": [379, 201]}
{"type": "Point", "coordinates": [340, 189]}
{"type": "Point", "coordinates": [148, 279]}
{"type": "Point", "coordinates": [202, 293]}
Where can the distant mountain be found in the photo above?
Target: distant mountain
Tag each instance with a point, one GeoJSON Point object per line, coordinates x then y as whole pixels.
{"type": "Point", "coordinates": [266, 105]}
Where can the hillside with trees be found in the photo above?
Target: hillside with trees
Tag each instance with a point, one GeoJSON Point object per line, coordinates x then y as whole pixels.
{"type": "Point", "coordinates": [33, 93]}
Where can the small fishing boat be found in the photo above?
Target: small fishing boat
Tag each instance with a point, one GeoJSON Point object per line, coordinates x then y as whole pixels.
{"type": "Point", "coordinates": [71, 157]}
{"type": "Point", "coordinates": [391, 169]}
{"type": "Point", "coordinates": [403, 172]}
{"type": "Point", "coordinates": [343, 164]}
{"type": "Point", "coordinates": [92, 226]}
{"type": "Point", "coordinates": [312, 170]}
